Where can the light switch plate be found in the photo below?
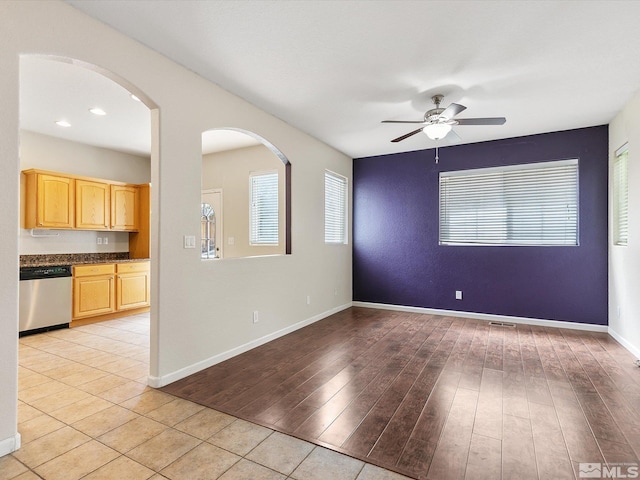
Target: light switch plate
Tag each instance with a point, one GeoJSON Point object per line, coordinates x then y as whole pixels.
{"type": "Point", "coordinates": [458, 294]}
{"type": "Point", "coordinates": [189, 241]}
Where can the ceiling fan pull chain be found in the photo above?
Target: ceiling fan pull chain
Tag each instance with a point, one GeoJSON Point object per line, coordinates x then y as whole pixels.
{"type": "Point", "coordinates": [437, 158]}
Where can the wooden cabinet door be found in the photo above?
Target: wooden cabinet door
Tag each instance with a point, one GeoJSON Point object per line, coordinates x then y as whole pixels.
{"type": "Point", "coordinates": [93, 206]}
{"type": "Point", "coordinates": [54, 202]}
{"type": "Point", "coordinates": [124, 207]}
{"type": "Point", "coordinates": [93, 296]}
{"type": "Point", "coordinates": [139, 241]}
{"type": "Point", "coordinates": [133, 290]}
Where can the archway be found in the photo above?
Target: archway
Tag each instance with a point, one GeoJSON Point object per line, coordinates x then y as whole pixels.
{"type": "Point", "coordinates": [92, 79]}
{"type": "Point", "coordinates": [254, 179]}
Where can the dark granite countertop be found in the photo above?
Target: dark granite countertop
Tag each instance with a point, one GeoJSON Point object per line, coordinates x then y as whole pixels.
{"type": "Point", "coordinates": [47, 260]}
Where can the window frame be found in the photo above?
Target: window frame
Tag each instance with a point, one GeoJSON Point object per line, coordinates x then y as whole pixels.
{"type": "Point", "coordinates": [507, 205]}
{"type": "Point", "coordinates": [256, 241]}
{"type": "Point", "coordinates": [621, 196]}
{"type": "Point", "coordinates": [332, 236]}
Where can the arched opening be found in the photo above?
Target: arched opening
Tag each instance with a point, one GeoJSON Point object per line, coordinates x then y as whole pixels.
{"type": "Point", "coordinates": [106, 142]}
{"type": "Point", "coordinates": [251, 180]}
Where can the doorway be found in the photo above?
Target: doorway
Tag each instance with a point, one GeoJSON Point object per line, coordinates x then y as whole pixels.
{"type": "Point", "coordinates": [113, 142]}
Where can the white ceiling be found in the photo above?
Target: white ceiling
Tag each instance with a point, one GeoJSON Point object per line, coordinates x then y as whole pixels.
{"type": "Point", "coordinates": [52, 90]}
{"type": "Point", "coordinates": [335, 69]}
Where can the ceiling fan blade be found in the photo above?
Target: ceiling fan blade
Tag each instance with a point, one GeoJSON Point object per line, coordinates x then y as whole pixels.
{"type": "Point", "coordinates": [399, 139]}
{"type": "Point", "coordinates": [482, 121]}
{"type": "Point", "coordinates": [402, 121]}
{"type": "Point", "coordinates": [453, 137]}
{"type": "Point", "coordinates": [453, 110]}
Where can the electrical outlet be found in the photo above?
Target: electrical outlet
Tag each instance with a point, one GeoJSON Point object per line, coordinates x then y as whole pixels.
{"type": "Point", "coordinates": [335, 292]}
{"type": "Point", "coordinates": [308, 299]}
{"type": "Point", "coordinates": [458, 294]}
{"type": "Point", "coordinates": [99, 240]}
{"type": "Point", "coordinates": [231, 240]}
{"type": "Point", "coordinates": [256, 318]}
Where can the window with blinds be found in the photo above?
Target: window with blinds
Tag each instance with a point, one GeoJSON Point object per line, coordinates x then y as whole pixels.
{"type": "Point", "coordinates": [621, 196]}
{"type": "Point", "coordinates": [529, 204]}
{"type": "Point", "coordinates": [335, 208]}
{"type": "Point", "coordinates": [263, 208]}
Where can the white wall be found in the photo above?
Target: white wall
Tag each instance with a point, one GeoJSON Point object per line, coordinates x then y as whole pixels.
{"type": "Point", "coordinates": [624, 261]}
{"type": "Point", "coordinates": [49, 153]}
{"type": "Point", "coordinates": [9, 197]}
{"type": "Point", "coordinates": [230, 172]}
{"type": "Point", "coordinates": [201, 311]}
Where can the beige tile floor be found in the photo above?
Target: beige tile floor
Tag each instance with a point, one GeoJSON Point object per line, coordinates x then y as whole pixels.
{"type": "Point", "coordinates": [84, 411]}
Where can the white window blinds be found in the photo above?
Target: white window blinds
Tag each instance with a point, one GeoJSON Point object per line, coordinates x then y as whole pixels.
{"type": "Point", "coordinates": [621, 196]}
{"type": "Point", "coordinates": [335, 208]}
{"type": "Point", "coordinates": [530, 204]}
{"type": "Point", "coordinates": [263, 206]}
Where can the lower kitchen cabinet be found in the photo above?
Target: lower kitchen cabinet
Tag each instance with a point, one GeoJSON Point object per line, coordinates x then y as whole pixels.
{"type": "Point", "coordinates": [132, 286]}
{"type": "Point", "coordinates": [93, 290]}
{"type": "Point", "coordinates": [106, 290]}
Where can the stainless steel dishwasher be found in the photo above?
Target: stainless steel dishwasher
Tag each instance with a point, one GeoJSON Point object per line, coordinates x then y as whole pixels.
{"type": "Point", "coordinates": [45, 298]}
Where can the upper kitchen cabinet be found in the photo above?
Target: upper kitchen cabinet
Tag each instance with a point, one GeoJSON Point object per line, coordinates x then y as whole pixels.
{"type": "Point", "coordinates": [124, 207]}
{"type": "Point", "coordinates": [93, 205]}
{"type": "Point", "coordinates": [49, 200]}
{"type": "Point", "coordinates": [59, 200]}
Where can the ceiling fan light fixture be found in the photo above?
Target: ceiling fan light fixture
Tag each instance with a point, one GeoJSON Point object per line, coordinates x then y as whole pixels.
{"type": "Point", "coordinates": [437, 131]}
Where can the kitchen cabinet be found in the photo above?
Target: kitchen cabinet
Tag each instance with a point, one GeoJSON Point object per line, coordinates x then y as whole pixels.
{"type": "Point", "coordinates": [93, 290]}
{"type": "Point", "coordinates": [139, 241]}
{"type": "Point", "coordinates": [62, 201]}
{"type": "Point", "coordinates": [124, 207]}
{"type": "Point", "coordinates": [93, 205]}
{"type": "Point", "coordinates": [132, 289]}
{"type": "Point", "coordinates": [109, 290]}
{"type": "Point", "coordinates": [49, 201]}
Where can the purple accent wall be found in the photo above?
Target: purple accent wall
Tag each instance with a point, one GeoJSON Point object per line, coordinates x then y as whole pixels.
{"type": "Point", "coordinates": [397, 259]}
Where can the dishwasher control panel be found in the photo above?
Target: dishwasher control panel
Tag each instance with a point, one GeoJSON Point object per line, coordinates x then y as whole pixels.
{"type": "Point", "coordinates": [34, 273]}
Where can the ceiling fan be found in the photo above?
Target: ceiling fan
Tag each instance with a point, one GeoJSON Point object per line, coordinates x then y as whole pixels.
{"type": "Point", "coordinates": [438, 122]}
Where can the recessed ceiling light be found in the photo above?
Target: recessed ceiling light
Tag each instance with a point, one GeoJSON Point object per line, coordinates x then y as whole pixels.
{"type": "Point", "coordinates": [135, 98]}
{"type": "Point", "coordinates": [63, 123]}
{"type": "Point", "coordinates": [97, 111]}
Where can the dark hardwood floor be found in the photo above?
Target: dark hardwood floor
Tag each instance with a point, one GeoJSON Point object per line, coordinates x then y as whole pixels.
{"type": "Point", "coordinates": [436, 397]}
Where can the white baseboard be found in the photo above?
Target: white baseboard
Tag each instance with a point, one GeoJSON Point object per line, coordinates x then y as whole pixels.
{"type": "Point", "coordinates": [487, 316]}
{"type": "Point", "coordinates": [635, 351]}
{"type": "Point", "coordinates": [157, 382]}
{"type": "Point", "coordinates": [9, 445]}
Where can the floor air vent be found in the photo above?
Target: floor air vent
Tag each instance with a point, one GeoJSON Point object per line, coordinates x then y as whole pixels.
{"type": "Point", "coordinates": [502, 324]}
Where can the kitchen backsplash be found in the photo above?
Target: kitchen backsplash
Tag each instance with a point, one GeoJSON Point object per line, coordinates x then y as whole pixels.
{"type": "Point", "coordinates": [38, 242]}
